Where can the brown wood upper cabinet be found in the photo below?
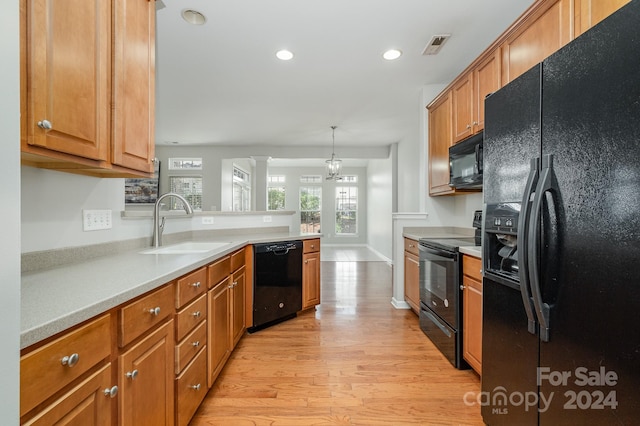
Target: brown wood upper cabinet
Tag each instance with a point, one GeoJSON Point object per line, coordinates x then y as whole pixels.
{"type": "Point", "coordinates": [468, 95]}
{"type": "Point", "coordinates": [542, 31]}
{"type": "Point", "coordinates": [78, 58]}
{"type": "Point", "coordinates": [588, 13]}
{"type": "Point", "coordinates": [440, 139]}
{"type": "Point", "coordinates": [458, 111]}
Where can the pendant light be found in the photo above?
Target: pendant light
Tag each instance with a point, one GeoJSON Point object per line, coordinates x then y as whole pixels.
{"type": "Point", "coordinates": [334, 165]}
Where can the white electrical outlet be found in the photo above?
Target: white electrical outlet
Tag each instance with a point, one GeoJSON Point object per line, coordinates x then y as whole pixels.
{"type": "Point", "coordinates": [94, 220]}
{"type": "Point", "coordinates": [207, 220]}
{"type": "Point", "coordinates": [266, 219]}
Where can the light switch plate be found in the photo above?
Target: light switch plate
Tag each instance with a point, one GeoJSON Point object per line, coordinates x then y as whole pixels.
{"type": "Point", "coordinates": [207, 220]}
{"type": "Point", "coordinates": [94, 220]}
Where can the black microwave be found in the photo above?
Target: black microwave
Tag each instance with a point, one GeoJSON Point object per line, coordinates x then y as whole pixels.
{"type": "Point", "coordinates": [465, 163]}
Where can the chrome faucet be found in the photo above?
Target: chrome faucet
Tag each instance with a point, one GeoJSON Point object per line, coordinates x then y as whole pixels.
{"type": "Point", "coordinates": [158, 226]}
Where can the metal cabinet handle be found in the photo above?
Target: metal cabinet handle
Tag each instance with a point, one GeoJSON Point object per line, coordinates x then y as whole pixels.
{"type": "Point", "coordinates": [468, 126]}
{"type": "Point", "coordinates": [132, 374]}
{"type": "Point", "coordinates": [462, 287]}
{"type": "Point", "coordinates": [70, 360]}
{"type": "Point", "coordinates": [475, 123]}
{"type": "Point", "coordinates": [195, 387]}
{"type": "Point", "coordinates": [313, 246]}
{"type": "Point", "coordinates": [155, 311]}
{"type": "Point", "coordinates": [196, 314]}
{"type": "Point", "coordinates": [196, 285]}
{"type": "Point", "coordinates": [196, 343]}
{"type": "Point", "coordinates": [306, 261]}
{"type": "Point", "coordinates": [45, 125]}
{"type": "Point", "coordinates": [111, 392]}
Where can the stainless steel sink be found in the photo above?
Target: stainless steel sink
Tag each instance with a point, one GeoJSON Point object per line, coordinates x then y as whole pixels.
{"type": "Point", "coordinates": [186, 248]}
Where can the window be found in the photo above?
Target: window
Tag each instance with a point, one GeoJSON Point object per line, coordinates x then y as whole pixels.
{"type": "Point", "coordinates": [185, 163]}
{"type": "Point", "coordinates": [241, 190]}
{"type": "Point", "coordinates": [190, 187]}
{"type": "Point", "coordinates": [310, 179]}
{"type": "Point", "coordinates": [275, 193]}
{"type": "Point", "coordinates": [310, 197]}
{"type": "Point", "coordinates": [346, 210]}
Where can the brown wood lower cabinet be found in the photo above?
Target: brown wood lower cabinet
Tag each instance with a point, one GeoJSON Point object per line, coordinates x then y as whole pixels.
{"type": "Point", "coordinates": [156, 355]}
{"type": "Point", "coordinates": [145, 377]}
{"type": "Point", "coordinates": [311, 273]}
{"type": "Point", "coordinates": [412, 274]}
{"type": "Point", "coordinates": [472, 315]}
{"type": "Point", "coordinates": [86, 404]}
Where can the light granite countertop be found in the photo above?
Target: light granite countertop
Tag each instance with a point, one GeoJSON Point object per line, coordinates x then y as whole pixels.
{"type": "Point", "coordinates": [444, 232]}
{"type": "Point", "coordinates": [57, 298]}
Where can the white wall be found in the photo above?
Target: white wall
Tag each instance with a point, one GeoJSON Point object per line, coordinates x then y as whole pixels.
{"type": "Point", "coordinates": [10, 215]}
{"type": "Point", "coordinates": [379, 206]}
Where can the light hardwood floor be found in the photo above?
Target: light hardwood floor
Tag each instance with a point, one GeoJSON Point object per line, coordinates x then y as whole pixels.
{"type": "Point", "coordinates": [355, 360]}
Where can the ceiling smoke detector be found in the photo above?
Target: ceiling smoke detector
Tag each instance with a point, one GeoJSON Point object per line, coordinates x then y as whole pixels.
{"type": "Point", "coordinates": [436, 43]}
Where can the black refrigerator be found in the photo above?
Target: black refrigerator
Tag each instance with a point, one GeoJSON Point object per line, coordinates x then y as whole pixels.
{"type": "Point", "coordinates": [561, 236]}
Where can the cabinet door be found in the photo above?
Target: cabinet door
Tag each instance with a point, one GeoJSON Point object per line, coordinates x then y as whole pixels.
{"type": "Point", "coordinates": [462, 111]}
{"type": "Point", "coordinates": [237, 305]}
{"type": "Point", "coordinates": [146, 380]}
{"type": "Point", "coordinates": [219, 338]}
{"type": "Point", "coordinates": [411, 281]}
{"type": "Point", "coordinates": [68, 73]}
{"type": "Point", "coordinates": [440, 137]}
{"type": "Point", "coordinates": [545, 31]}
{"type": "Point", "coordinates": [310, 280]}
{"type": "Point", "coordinates": [486, 80]}
{"type": "Point", "coordinates": [86, 404]}
{"type": "Point", "coordinates": [134, 84]}
{"type": "Point", "coordinates": [472, 323]}
{"type": "Point", "coordinates": [589, 12]}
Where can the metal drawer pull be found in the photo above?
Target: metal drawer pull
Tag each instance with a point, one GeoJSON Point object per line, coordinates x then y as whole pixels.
{"type": "Point", "coordinates": [196, 343]}
{"type": "Point", "coordinates": [70, 360]}
{"type": "Point", "coordinates": [132, 374]}
{"type": "Point", "coordinates": [111, 393]}
{"type": "Point", "coordinates": [196, 285]}
{"type": "Point", "coordinates": [45, 125]}
{"type": "Point", "coordinates": [196, 314]}
{"type": "Point", "coordinates": [195, 387]}
{"type": "Point", "coordinates": [155, 311]}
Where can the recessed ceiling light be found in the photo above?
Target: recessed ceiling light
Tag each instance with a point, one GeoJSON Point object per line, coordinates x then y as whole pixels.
{"type": "Point", "coordinates": [284, 55]}
{"type": "Point", "coordinates": [193, 17]}
{"type": "Point", "coordinates": [392, 54]}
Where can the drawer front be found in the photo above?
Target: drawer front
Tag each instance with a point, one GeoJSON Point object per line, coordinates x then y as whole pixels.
{"type": "Point", "coordinates": [219, 270]}
{"type": "Point", "coordinates": [311, 246]}
{"type": "Point", "coordinates": [191, 315]}
{"type": "Point", "coordinates": [411, 246]}
{"type": "Point", "coordinates": [472, 267]}
{"type": "Point", "coordinates": [237, 260]}
{"type": "Point", "coordinates": [54, 365]}
{"type": "Point", "coordinates": [190, 286]}
{"type": "Point", "coordinates": [191, 388]}
{"type": "Point", "coordinates": [140, 316]}
{"type": "Point", "coordinates": [191, 344]}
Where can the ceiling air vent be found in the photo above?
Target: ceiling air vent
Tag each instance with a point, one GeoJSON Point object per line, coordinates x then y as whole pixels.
{"type": "Point", "coordinates": [436, 43]}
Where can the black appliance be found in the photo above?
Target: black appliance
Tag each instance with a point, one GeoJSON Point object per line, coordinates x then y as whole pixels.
{"type": "Point", "coordinates": [441, 295]}
{"type": "Point", "coordinates": [465, 163]}
{"type": "Point", "coordinates": [561, 287]}
{"type": "Point", "coordinates": [277, 283]}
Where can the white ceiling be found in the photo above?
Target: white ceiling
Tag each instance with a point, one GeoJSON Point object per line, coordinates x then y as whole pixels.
{"type": "Point", "coordinates": [221, 84]}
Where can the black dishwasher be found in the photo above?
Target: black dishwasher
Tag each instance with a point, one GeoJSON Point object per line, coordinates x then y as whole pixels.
{"type": "Point", "coordinates": [277, 283]}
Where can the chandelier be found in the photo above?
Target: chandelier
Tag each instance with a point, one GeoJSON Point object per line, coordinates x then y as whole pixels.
{"type": "Point", "coordinates": [334, 165]}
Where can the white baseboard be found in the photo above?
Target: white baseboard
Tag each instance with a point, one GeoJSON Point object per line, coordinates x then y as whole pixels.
{"type": "Point", "coordinates": [399, 304]}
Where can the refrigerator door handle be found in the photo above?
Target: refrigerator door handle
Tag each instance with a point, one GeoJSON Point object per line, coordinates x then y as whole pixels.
{"type": "Point", "coordinates": [523, 245]}
{"type": "Point", "coordinates": [544, 185]}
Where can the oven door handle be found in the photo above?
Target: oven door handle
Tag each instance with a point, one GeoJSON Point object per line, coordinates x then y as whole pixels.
{"type": "Point", "coordinates": [437, 252]}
